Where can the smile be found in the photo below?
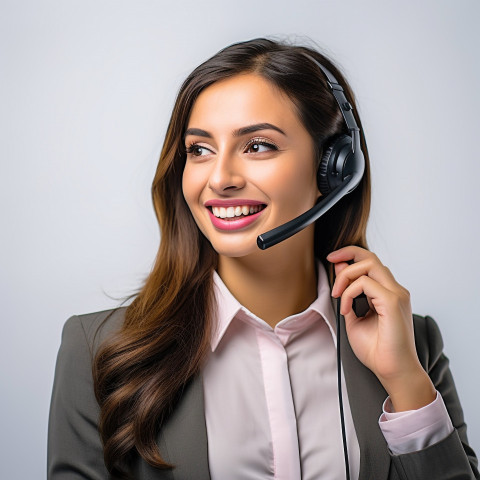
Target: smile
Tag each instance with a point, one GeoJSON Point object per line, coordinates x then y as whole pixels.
{"type": "Point", "coordinates": [236, 211]}
{"type": "Point", "coordinates": [234, 217]}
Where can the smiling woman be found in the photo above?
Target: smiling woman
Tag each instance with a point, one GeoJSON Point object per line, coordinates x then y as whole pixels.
{"type": "Point", "coordinates": [246, 147]}
{"type": "Point", "coordinates": [224, 366]}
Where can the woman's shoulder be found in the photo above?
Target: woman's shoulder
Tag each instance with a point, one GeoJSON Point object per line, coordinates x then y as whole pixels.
{"type": "Point", "coordinates": [426, 328]}
{"type": "Point", "coordinates": [428, 340]}
{"type": "Point", "coordinates": [91, 329]}
{"type": "Point", "coordinates": [74, 445]}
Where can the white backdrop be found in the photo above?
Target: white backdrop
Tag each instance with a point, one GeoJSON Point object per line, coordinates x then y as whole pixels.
{"type": "Point", "coordinates": [86, 90]}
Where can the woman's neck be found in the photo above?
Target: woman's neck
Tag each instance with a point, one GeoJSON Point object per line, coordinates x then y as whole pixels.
{"type": "Point", "coordinates": [272, 286]}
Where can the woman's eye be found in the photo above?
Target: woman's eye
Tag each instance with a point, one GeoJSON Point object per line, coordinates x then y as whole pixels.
{"type": "Point", "coordinates": [260, 147]}
{"type": "Point", "coordinates": [197, 150]}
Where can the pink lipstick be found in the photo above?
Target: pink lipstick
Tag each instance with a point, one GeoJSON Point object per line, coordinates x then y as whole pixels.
{"type": "Point", "coordinates": [234, 213]}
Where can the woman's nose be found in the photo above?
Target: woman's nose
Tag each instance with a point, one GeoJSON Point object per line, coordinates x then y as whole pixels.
{"type": "Point", "coordinates": [226, 174]}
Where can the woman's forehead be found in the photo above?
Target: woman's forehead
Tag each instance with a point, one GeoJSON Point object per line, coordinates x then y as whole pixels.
{"type": "Point", "coordinates": [241, 100]}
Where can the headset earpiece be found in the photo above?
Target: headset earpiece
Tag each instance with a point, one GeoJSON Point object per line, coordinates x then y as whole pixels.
{"type": "Point", "coordinates": [337, 163]}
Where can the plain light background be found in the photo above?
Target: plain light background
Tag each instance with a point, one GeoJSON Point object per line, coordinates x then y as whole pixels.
{"type": "Point", "coordinates": [86, 91]}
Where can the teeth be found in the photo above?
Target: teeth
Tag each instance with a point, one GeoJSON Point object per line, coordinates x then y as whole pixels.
{"type": "Point", "coordinates": [237, 211]}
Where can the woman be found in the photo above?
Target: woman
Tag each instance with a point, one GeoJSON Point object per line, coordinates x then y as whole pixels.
{"type": "Point", "coordinates": [233, 347]}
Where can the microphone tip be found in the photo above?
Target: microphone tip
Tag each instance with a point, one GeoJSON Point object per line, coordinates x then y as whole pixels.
{"type": "Point", "coordinates": [261, 243]}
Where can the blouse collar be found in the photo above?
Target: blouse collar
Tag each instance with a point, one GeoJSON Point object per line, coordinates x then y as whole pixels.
{"type": "Point", "coordinates": [229, 308]}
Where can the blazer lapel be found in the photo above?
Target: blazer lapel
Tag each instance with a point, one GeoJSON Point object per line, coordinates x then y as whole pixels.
{"type": "Point", "coordinates": [366, 396]}
{"type": "Point", "coordinates": [184, 436]}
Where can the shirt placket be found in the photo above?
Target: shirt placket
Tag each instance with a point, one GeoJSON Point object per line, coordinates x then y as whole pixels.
{"type": "Point", "coordinates": [280, 406]}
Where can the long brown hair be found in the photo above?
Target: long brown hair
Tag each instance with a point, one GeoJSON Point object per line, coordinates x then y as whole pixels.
{"type": "Point", "coordinates": [140, 373]}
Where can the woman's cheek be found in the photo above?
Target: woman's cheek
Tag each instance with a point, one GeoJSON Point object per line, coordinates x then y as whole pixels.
{"type": "Point", "coordinates": [190, 186]}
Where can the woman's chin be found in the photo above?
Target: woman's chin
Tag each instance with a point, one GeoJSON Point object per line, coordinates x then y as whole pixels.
{"type": "Point", "coordinates": [235, 249]}
{"type": "Point", "coordinates": [236, 252]}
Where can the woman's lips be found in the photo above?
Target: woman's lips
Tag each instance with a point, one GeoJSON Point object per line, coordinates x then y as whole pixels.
{"type": "Point", "coordinates": [232, 215]}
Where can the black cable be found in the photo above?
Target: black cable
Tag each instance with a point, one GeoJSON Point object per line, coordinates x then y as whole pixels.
{"type": "Point", "coordinates": [340, 399]}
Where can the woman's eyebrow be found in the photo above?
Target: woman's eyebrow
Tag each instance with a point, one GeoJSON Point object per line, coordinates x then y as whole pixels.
{"type": "Point", "coordinates": [236, 133]}
{"type": "Point", "coordinates": [255, 128]}
{"type": "Point", "coordinates": [197, 132]}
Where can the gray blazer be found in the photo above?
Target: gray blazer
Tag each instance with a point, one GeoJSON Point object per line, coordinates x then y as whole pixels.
{"type": "Point", "coordinates": [75, 449]}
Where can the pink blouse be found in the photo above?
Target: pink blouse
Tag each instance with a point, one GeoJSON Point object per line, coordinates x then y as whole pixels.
{"type": "Point", "coordinates": [271, 398]}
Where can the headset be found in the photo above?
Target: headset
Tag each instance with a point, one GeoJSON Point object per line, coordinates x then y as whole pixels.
{"type": "Point", "coordinates": [340, 171]}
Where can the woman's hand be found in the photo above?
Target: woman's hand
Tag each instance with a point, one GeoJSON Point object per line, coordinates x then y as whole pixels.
{"type": "Point", "coordinates": [383, 340]}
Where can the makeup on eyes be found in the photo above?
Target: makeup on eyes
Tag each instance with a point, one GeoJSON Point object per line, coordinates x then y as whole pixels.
{"type": "Point", "coordinates": [194, 146]}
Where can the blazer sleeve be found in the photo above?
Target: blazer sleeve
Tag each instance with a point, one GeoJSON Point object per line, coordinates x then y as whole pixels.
{"type": "Point", "coordinates": [74, 446]}
{"type": "Point", "coordinates": [451, 458]}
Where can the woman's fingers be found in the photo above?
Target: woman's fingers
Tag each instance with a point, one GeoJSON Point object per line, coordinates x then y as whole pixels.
{"type": "Point", "coordinates": [383, 339]}
{"type": "Point", "coordinates": [370, 267]}
{"type": "Point", "coordinates": [348, 254]}
{"type": "Point", "coordinates": [365, 263]}
{"type": "Point", "coordinates": [339, 267]}
{"type": "Point", "coordinates": [372, 289]}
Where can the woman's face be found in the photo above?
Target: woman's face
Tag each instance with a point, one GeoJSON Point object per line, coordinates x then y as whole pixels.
{"type": "Point", "coordinates": [250, 163]}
